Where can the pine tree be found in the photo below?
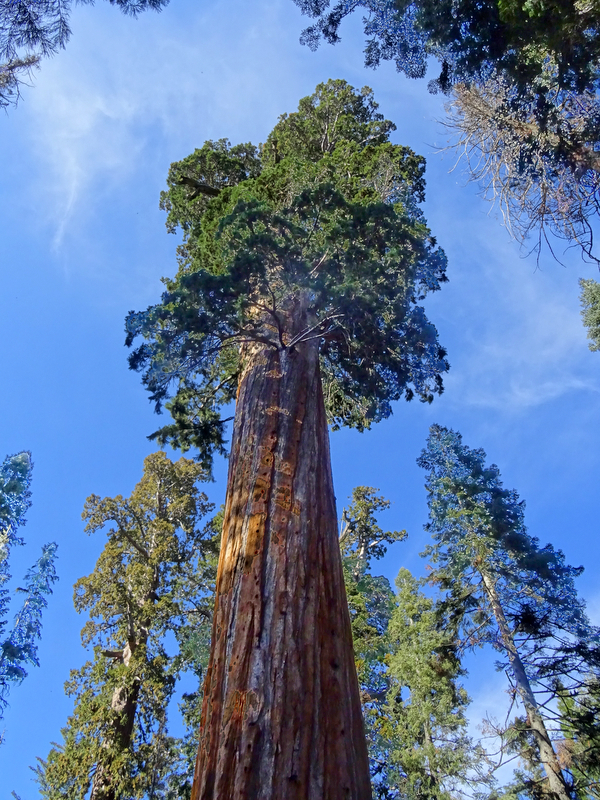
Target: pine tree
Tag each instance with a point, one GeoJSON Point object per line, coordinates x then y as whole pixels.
{"type": "Point", "coordinates": [580, 723]}
{"type": "Point", "coordinates": [154, 579]}
{"type": "Point", "coordinates": [408, 669]}
{"type": "Point", "coordinates": [430, 754]}
{"type": "Point", "coordinates": [507, 590]}
{"type": "Point", "coordinates": [370, 601]}
{"type": "Point", "coordinates": [301, 273]}
{"type": "Point", "coordinates": [20, 646]}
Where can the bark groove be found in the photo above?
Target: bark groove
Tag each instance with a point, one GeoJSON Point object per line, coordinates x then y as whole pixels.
{"type": "Point", "coordinates": [281, 716]}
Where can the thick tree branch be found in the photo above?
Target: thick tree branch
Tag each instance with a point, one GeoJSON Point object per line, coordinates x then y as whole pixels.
{"type": "Point", "coordinates": [140, 548]}
{"type": "Point", "coordinates": [198, 187]}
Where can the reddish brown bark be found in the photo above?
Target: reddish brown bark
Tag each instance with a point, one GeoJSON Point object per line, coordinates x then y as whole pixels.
{"type": "Point", "coordinates": [281, 717]}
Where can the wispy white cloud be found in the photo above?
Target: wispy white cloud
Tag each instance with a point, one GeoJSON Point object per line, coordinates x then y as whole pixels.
{"type": "Point", "coordinates": [127, 93]}
{"type": "Point", "coordinates": [130, 96]}
{"type": "Point", "coordinates": [514, 332]}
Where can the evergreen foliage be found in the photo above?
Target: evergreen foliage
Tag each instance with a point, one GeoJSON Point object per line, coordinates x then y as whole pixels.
{"type": "Point", "coordinates": [590, 301]}
{"type": "Point", "coordinates": [408, 669]}
{"type": "Point", "coordinates": [471, 39]}
{"type": "Point", "coordinates": [19, 647]}
{"type": "Point", "coordinates": [325, 212]}
{"type": "Point", "coordinates": [429, 754]}
{"type": "Point", "coordinates": [503, 587]}
{"type": "Point", "coordinates": [154, 581]}
{"type": "Point", "coordinates": [370, 600]}
{"type": "Point", "coordinates": [580, 752]}
{"type": "Point", "coordinates": [32, 29]}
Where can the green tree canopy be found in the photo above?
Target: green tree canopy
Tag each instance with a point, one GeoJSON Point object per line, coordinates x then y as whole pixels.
{"type": "Point", "coordinates": [429, 754]}
{"type": "Point", "coordinates": [153, 580]}
{"type": "Point", "coordinates": [470, 38]}
{"type": "Point", "coordinates": [590, 301]}
{"type": "Point", "coordinates": [19, 647]}
{"type": "Point", "coordinates": [408, 666]}
{"type": "Point", "coordinates": [325, 213]}
{"type": "Point", "coordinates": [580, 711]}
{"type": "Point", "coordinates": [508, 591]}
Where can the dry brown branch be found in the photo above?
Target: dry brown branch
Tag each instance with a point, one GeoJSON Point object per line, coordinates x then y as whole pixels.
{"type": "Point", "coordinates": [543, 180]}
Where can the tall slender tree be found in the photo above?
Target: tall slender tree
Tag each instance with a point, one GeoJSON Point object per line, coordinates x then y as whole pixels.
{"type": "Point", "coordinates": [430, 754]}
{"type": "Point", "coordinates": [19, 647]}
{"type": "Point", "coordinates": [371, 602]}
{"type": "Point", "coordinates": [409, 670]}
{"type": "Point", "coordinates": [302, 269]}
{"type": "Point", "coordinates": [154, 579]}
{"type": "Point", "coordinates": [506, 589]}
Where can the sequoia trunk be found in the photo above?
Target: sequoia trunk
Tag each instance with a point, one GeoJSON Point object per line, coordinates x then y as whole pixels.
{"type": "Point", "coordinates": [281, 716]}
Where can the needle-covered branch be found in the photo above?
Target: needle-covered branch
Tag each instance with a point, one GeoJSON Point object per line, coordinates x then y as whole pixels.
{"type": "Point", "coordinates": [505, 589]}
{"type": "Point", "coordinates": [524, 111]}
{"type": "Point", "coordinates": [32, 29]}
{"type": "Point", "coordinates": [19, 647]}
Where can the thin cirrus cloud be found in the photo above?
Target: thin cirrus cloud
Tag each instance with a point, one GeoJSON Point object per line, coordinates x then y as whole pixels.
{"type": "Point", "coordinates": [125, 88]}
{"type": "Point", "coordinates": [527, 346]}
{"type": "Point", "coordinates": [99, 115]}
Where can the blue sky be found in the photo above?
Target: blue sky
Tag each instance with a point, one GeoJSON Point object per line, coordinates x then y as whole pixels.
{"type": "Point", "coordinates": [83, 159]}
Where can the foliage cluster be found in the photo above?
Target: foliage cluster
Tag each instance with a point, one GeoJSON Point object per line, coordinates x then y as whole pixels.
{"type": "Point", "coordinates": [18, 646]}
{"type": "Point", "coordinates": [325, 213]}
{"type": "Point", "coordinates": [502, 588]}
{"type": "Point", "coordinates": [408, 669]}
{"type": "Point", "coordinates": [151, 591]}
{"type": "Point", "coordinates": [590, 300]}
{"type": "Point", "coordinates": [524, 110]}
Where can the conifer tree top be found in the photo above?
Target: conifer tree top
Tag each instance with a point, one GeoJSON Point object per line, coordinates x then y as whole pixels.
{"type": "Point", "coordinates": [324, 214]}
{"type": "Point", "coordinates": [15, 479]}
{"type": "Point", "coordinates": [478, 525]}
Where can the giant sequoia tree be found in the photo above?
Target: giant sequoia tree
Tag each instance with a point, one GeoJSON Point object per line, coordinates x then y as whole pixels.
{"type": "Point", "coordinates": [508, 591]}
{"type": "Point", "coordinates": [301, 273]}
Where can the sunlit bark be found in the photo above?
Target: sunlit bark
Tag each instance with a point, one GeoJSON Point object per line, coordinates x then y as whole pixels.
{"type": "Point", "coordinates": [281, 717]}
